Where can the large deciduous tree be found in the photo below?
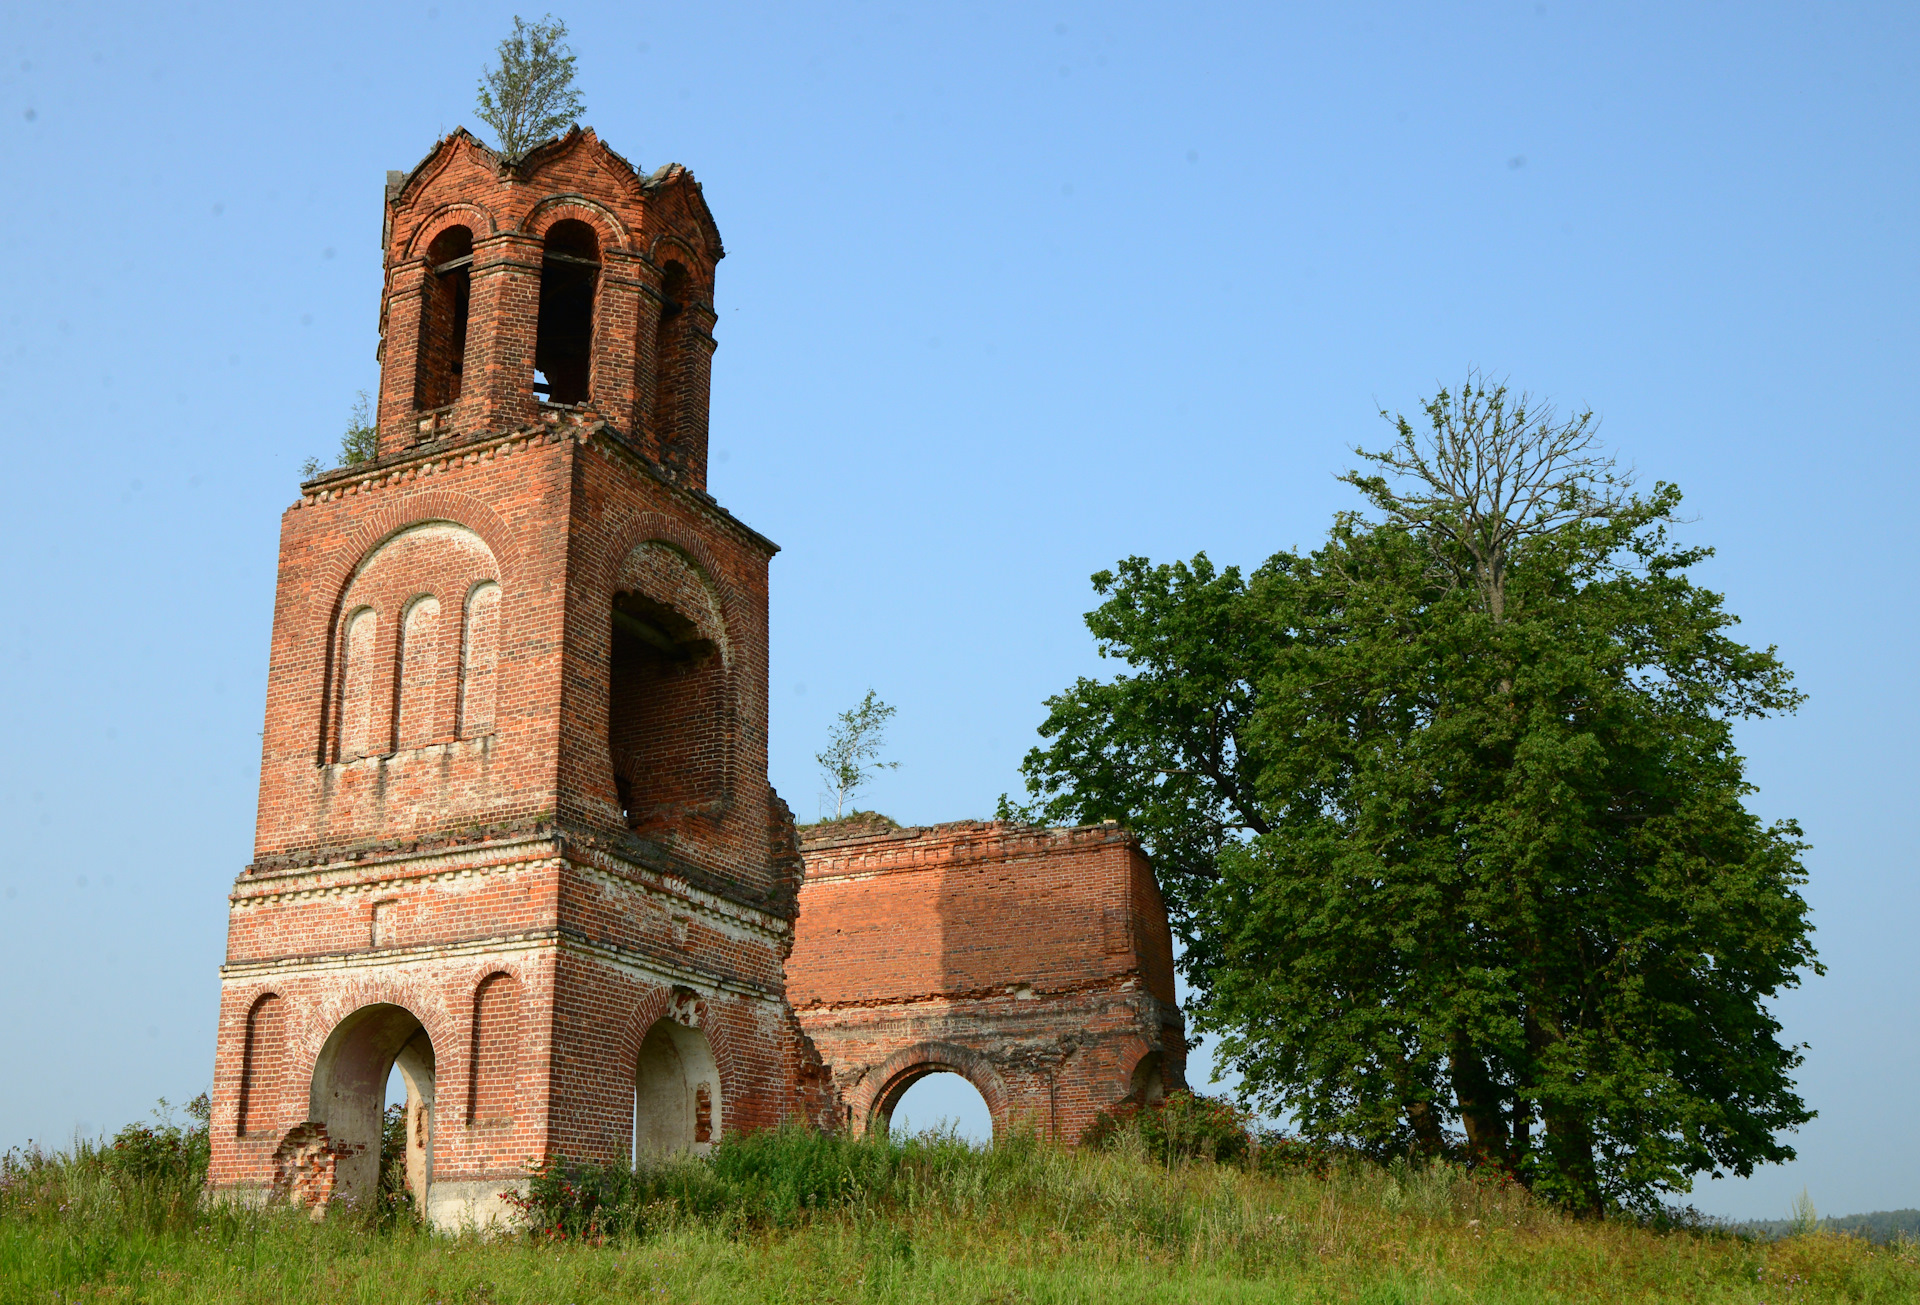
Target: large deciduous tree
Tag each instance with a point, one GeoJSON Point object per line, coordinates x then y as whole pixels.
{"type": "Point", "coordinates": [1450, 817]}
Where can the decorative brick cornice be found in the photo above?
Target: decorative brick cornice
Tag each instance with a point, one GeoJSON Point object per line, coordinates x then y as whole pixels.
{"type": "Point", "coordinates": [903, 851]}
{"type": "Point", "coordinates": [625, 857]}
{"type": "Point", "coordinates": [643, 964]}
{"type": "Point", "coordinates": [1002, 998]}
{"type": "Point", "coordinates": [507, 836]}
{"type": "Point", "coordinates": [557, 425]}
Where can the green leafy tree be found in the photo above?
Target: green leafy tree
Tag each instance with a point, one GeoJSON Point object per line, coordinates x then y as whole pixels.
{"type": "Point", "coordinates": [529, 95]}
{"type": "Point", "coordinates": [1450, 817]}
{"type": "Point", "coordinates": [358, 443]}
{"type": "Point", "coordinates": [853, 748]}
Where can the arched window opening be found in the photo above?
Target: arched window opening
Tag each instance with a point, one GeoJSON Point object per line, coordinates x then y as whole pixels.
{"type": "Point", "coordinates": [261, 1068]}
{"type": "Point", "coordinates": [356, 685]}
{"type": "Point", "coordinates": [348, 1101]}
{"type": "Point", "coordinates": [496, 1046]}
{"type": "Point", "coordinates": [940, 1101]}
{"type": "Point", "coordinates": [665, 696]}
{"type": "Point", "coordinates": [675, 288]}
{"type": "Point", "coordinates": [444, 301]}
{"type": "Point", "coordinates": [479, 660]}
{"type": "Point", "coordinates": [676, 1093]}
{"type": "Point", "coordinates": [563, 343]}
{"type": "Point", "coordinates": [416, 690]}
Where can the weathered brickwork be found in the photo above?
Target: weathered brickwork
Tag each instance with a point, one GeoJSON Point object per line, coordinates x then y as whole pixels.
{"type": "Point", "coordinates": [1035, 962]}
{"type": "Point", "coordinates": [515, 835]}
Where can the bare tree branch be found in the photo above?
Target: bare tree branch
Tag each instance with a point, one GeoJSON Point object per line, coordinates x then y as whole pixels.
{"type": "Point", "coordinates": [1493, 471]}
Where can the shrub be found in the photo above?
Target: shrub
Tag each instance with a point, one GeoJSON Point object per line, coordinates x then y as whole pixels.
{"type": "Point", "coordinates": [164, 1152]}
{"type": "Point", "coordinates": [396, 1198]}
{"type": "Point", "coordinates": [1281, 1155]}
{"type": "Point", "coordinates": [1179, 1126]}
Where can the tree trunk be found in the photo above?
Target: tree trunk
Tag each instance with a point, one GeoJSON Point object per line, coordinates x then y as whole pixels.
{"type": "Point", "coordinates": [1428, 1140]}
{"type": "Point", "coordinates": [1421, 1116]}
{"type": "Point", "coordinates": [1568, 1142]}
{"type": "Point", "coordinates": [1480, 1111]}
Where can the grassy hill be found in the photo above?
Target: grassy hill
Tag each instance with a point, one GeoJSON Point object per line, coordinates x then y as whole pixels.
{"type": "Point", "coordinates": [794, 1216]}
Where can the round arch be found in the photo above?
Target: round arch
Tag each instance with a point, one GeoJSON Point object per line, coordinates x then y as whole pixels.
{"type": "Point", "coordinates": [683, 1069]}
{"type": "Point", "coordinates": [427, 507]}
{"type": "Point", "coordinates": [669, 572]}
{"type": "Point", "coordinates": [668, 247]}
{"type": "Point", "coordinates": [347, 1098]}
{"type": "Point", "coordinates": [690, 693]}
{"type": "Point", "coordinates": [644, 529]}
{"type": "Point", "coordinates": [612, 231]}
{"type": "Point", "coordinates": [905, 1068]}
{"type": "Point", "coordinates": [460, 214]}
{"type": "Point", "coordinates": [335, 577]}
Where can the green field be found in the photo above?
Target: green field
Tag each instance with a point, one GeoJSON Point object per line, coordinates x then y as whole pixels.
{"type": "Point", "coordinates": [798, 1217]}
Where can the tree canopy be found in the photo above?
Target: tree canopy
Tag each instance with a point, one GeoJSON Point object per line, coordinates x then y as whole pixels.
{"type": "Point", "coordinates": [1450, 818]}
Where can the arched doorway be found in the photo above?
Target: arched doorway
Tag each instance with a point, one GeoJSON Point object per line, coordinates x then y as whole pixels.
{"type": "Point", "coordinates": [349, 1096]}
{"type": "Point", "coordinates": [922, 1064]}
{"type": "Point", "coordinates": [676, 1092]}
{"type": "Point", "coordinates": [941, 1099]}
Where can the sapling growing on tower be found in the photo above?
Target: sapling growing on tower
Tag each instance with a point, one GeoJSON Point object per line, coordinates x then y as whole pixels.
{"type": "Point", "coordinates": [358, 443]}
{"type": "Point", "coordinates": [529, 95]}
{"type": "Point", "coordinates": [853, 749]}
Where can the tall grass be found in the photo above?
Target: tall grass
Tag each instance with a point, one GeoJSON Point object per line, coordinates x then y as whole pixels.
{"type": "Point", "coordinates": [794, 1215]}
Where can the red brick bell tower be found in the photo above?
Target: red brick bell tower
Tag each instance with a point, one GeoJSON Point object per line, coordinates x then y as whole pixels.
{"type": "Point", "coordinates": [515, 833]}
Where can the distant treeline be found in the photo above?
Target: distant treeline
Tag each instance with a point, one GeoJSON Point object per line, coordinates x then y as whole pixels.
{"type": "Point", "coordinates": [1881, 1226]}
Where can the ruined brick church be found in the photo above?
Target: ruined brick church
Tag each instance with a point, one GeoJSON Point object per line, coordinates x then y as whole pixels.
{"type": "Point", "coordinates": [516, 838]}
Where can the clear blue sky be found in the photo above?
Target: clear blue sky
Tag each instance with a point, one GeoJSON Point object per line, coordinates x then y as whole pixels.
{"type": "Point", "coordinates": [1012, 291]}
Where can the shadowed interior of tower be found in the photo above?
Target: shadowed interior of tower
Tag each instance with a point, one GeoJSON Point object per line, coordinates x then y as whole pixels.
{"type": "Point", "coordinates": [665, 681]}
{"type": "Point", "coordinates": [445, 299]}
{"type": "Point", "coordinates": [671, 341]}
{"type": "Point", "coordinates": [563, 342]}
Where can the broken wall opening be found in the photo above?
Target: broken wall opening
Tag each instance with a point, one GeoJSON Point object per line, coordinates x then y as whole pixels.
{"type": "Point", "coordinates": [666, 706]}
{"type": "Point", "coordinates": [563, 340]}
{"type": "Point", "coordinates": [349, 1097]}
{"type": "Point", "coordinates": [1149, 1079]}
{"type": "Point", "coordinates": [940, 1100]}
{"type": "Point", "coordinates": [444, 303]}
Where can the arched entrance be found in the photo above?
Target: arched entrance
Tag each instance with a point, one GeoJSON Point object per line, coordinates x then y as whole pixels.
{"type": "Point", "coordinates": [676, 1092]}
{"type": "Point", "coordinates": [349, 1094]}
{"type": "Point", "coordinates": [904, 1069]}
{"type": "Point", "coordinates": [945, 1101]}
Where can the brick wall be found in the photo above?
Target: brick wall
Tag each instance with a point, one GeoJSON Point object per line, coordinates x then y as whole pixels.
{"type": "Point", "coordinates": [1035, 962]}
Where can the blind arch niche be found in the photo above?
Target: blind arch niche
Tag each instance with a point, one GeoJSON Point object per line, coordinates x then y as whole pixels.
{"type": "Point", "coordinates": [404, 674]}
